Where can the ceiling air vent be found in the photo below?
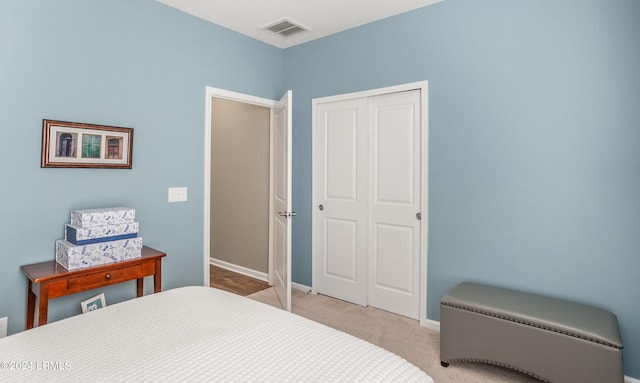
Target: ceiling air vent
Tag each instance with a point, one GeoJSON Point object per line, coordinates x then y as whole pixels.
{"type": "Point", "coordinates": [285, 27]}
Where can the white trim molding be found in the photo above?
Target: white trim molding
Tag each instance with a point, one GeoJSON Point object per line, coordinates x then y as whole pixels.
{"type": "Point", "coordinates": [210, 93]}
{"type": "Point", "coordinates": [253, 273]}
{"type": "Point", "coordinates": [431, 324]}
{"type": "Point", "coordinates": [303, 288]}
{"type": "Point", "coordinates": [240, 270]}
{"type": "Point", "coordinates": [628, 379]}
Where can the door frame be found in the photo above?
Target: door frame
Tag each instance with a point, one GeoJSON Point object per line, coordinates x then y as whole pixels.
{"type": "Point", "coordinates": [421, 86]}
{"type": "Point", "coordinates": [212, 93]}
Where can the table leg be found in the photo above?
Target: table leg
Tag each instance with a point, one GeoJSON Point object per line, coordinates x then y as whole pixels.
{"type": "Point", "coordinates": [31, 304]}
{"type": "Point", "coordinates": [157, 277]}
{"type": "Point", "coordinates": [140, 286]}
{"type": "Point", "coordinates": [43, 303]}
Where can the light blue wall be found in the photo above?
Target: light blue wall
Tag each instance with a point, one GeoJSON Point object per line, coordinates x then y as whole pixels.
{"type": "Point", "coordinates": [127, 63]}
{"type": "Point", "coordinates": [534, 147]}
{"type": "Point", "coordinates": [534, 135]}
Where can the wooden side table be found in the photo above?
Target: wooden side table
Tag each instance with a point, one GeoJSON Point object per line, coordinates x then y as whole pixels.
{"type": "Point", "coordinates": [56, 281]}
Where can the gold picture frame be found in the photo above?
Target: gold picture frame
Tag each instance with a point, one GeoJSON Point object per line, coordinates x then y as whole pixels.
{"type": "Point", "coordinates": [79, 145]}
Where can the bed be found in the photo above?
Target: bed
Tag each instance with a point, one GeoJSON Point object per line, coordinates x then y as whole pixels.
{"type": "Point", "coordinates": [196, 334]}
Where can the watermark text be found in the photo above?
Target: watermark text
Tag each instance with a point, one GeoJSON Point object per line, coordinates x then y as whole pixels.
{"type": "Point", "coordinates": [35, 365]}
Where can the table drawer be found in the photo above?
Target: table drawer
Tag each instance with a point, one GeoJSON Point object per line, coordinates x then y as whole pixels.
{"type": "Point", "coordinates": [103, 278]}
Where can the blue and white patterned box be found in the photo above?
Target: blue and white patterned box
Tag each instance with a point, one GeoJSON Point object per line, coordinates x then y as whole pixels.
{"type": "Point", "coordinates": [105, 216]}
{"type": "Point", "coordinates": [73, 257]}
{"type": "Point", "coordinates": [103, 233]}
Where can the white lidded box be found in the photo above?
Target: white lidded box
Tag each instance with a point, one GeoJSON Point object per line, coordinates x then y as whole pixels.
{"type": "Point", "coordinates": [104, 216]}
{"type": "Point", "coordinates": [103, 233]}
{"type": "Point", "coordinates": [73, 257]}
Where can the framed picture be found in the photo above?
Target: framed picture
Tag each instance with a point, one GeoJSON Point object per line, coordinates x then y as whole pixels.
{"type": "Point", "coordinates": [78, 145]}
{"type": "Point", "coordinates": [94, 303]}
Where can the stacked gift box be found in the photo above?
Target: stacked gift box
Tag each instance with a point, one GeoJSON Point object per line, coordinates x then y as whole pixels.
{"type": "Point", "coordinates": [99, 236]}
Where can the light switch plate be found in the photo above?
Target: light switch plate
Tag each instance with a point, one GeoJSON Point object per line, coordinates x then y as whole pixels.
{"type": "Point", "coordinates": [178, 194]}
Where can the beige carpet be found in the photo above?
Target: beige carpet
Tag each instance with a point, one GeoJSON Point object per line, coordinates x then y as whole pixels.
{"type": "Point", "coordinates": [395, 333]}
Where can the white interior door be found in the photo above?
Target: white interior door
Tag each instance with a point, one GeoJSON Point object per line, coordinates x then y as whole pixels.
{"type": "Point", "coordinates": [394, 203]}
{"type": "Point", "coordinates": [281, 201]}
{"type": "Point", "coordinates": [367, 196]}
{"type": "Point", "coordinates": [341, 221]}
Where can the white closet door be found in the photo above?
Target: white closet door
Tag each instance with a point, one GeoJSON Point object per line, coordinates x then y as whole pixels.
{"type": "Point", "coordinates": [367, 194]}
{"type": "Point", "coordinates": [341, 194]}
{"type": "Point", "coordinates": [394, 203]}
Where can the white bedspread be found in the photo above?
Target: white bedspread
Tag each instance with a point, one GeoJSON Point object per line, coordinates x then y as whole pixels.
{"type": "Point", "coordinates": [195, 334]}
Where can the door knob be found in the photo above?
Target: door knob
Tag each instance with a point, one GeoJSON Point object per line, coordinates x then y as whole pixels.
{"type": "Point", "coordinates": [418, 216]}
{"type": "Point", "coordinates": [321, 207]}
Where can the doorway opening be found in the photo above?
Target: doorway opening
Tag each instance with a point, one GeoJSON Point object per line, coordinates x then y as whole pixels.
{"type": "Point", "coordinates": [240, 186]}
{"type": "Point", "coordinates": [279, 192]}
{"type": "Point", "coordinates": [237, 184]}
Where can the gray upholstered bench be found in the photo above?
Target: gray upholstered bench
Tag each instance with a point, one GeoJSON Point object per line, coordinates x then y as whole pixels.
{"type": "Point", "coordinates": [551, 339]}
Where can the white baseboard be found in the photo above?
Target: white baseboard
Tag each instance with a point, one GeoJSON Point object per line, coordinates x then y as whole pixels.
{"type": "Point", "coordinates": [253, 273]}
{"type": "Point", "coordinates": [431, 324]}
{"type": "Point", "coordinates": [240, 269]}
{"type": "Point", "coordinates": [628, 379]}
{"type": "Point", "coordinates": [303, 288]}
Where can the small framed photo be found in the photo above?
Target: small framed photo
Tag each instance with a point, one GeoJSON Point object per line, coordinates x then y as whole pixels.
{"type": "Point", "coordinates": [94, 303]}
{"type": "Point", "coordinates": [79, 145]}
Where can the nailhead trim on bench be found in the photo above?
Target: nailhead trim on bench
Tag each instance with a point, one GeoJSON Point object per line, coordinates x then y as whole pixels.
{"type": "Point", "coordinates": [475, 360]}
{"type": "Point", "coordinates": [527, 323]}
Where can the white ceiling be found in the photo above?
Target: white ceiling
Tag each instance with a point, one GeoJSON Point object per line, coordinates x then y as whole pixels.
{"type": "Point", "coordinates": [322, 17]}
